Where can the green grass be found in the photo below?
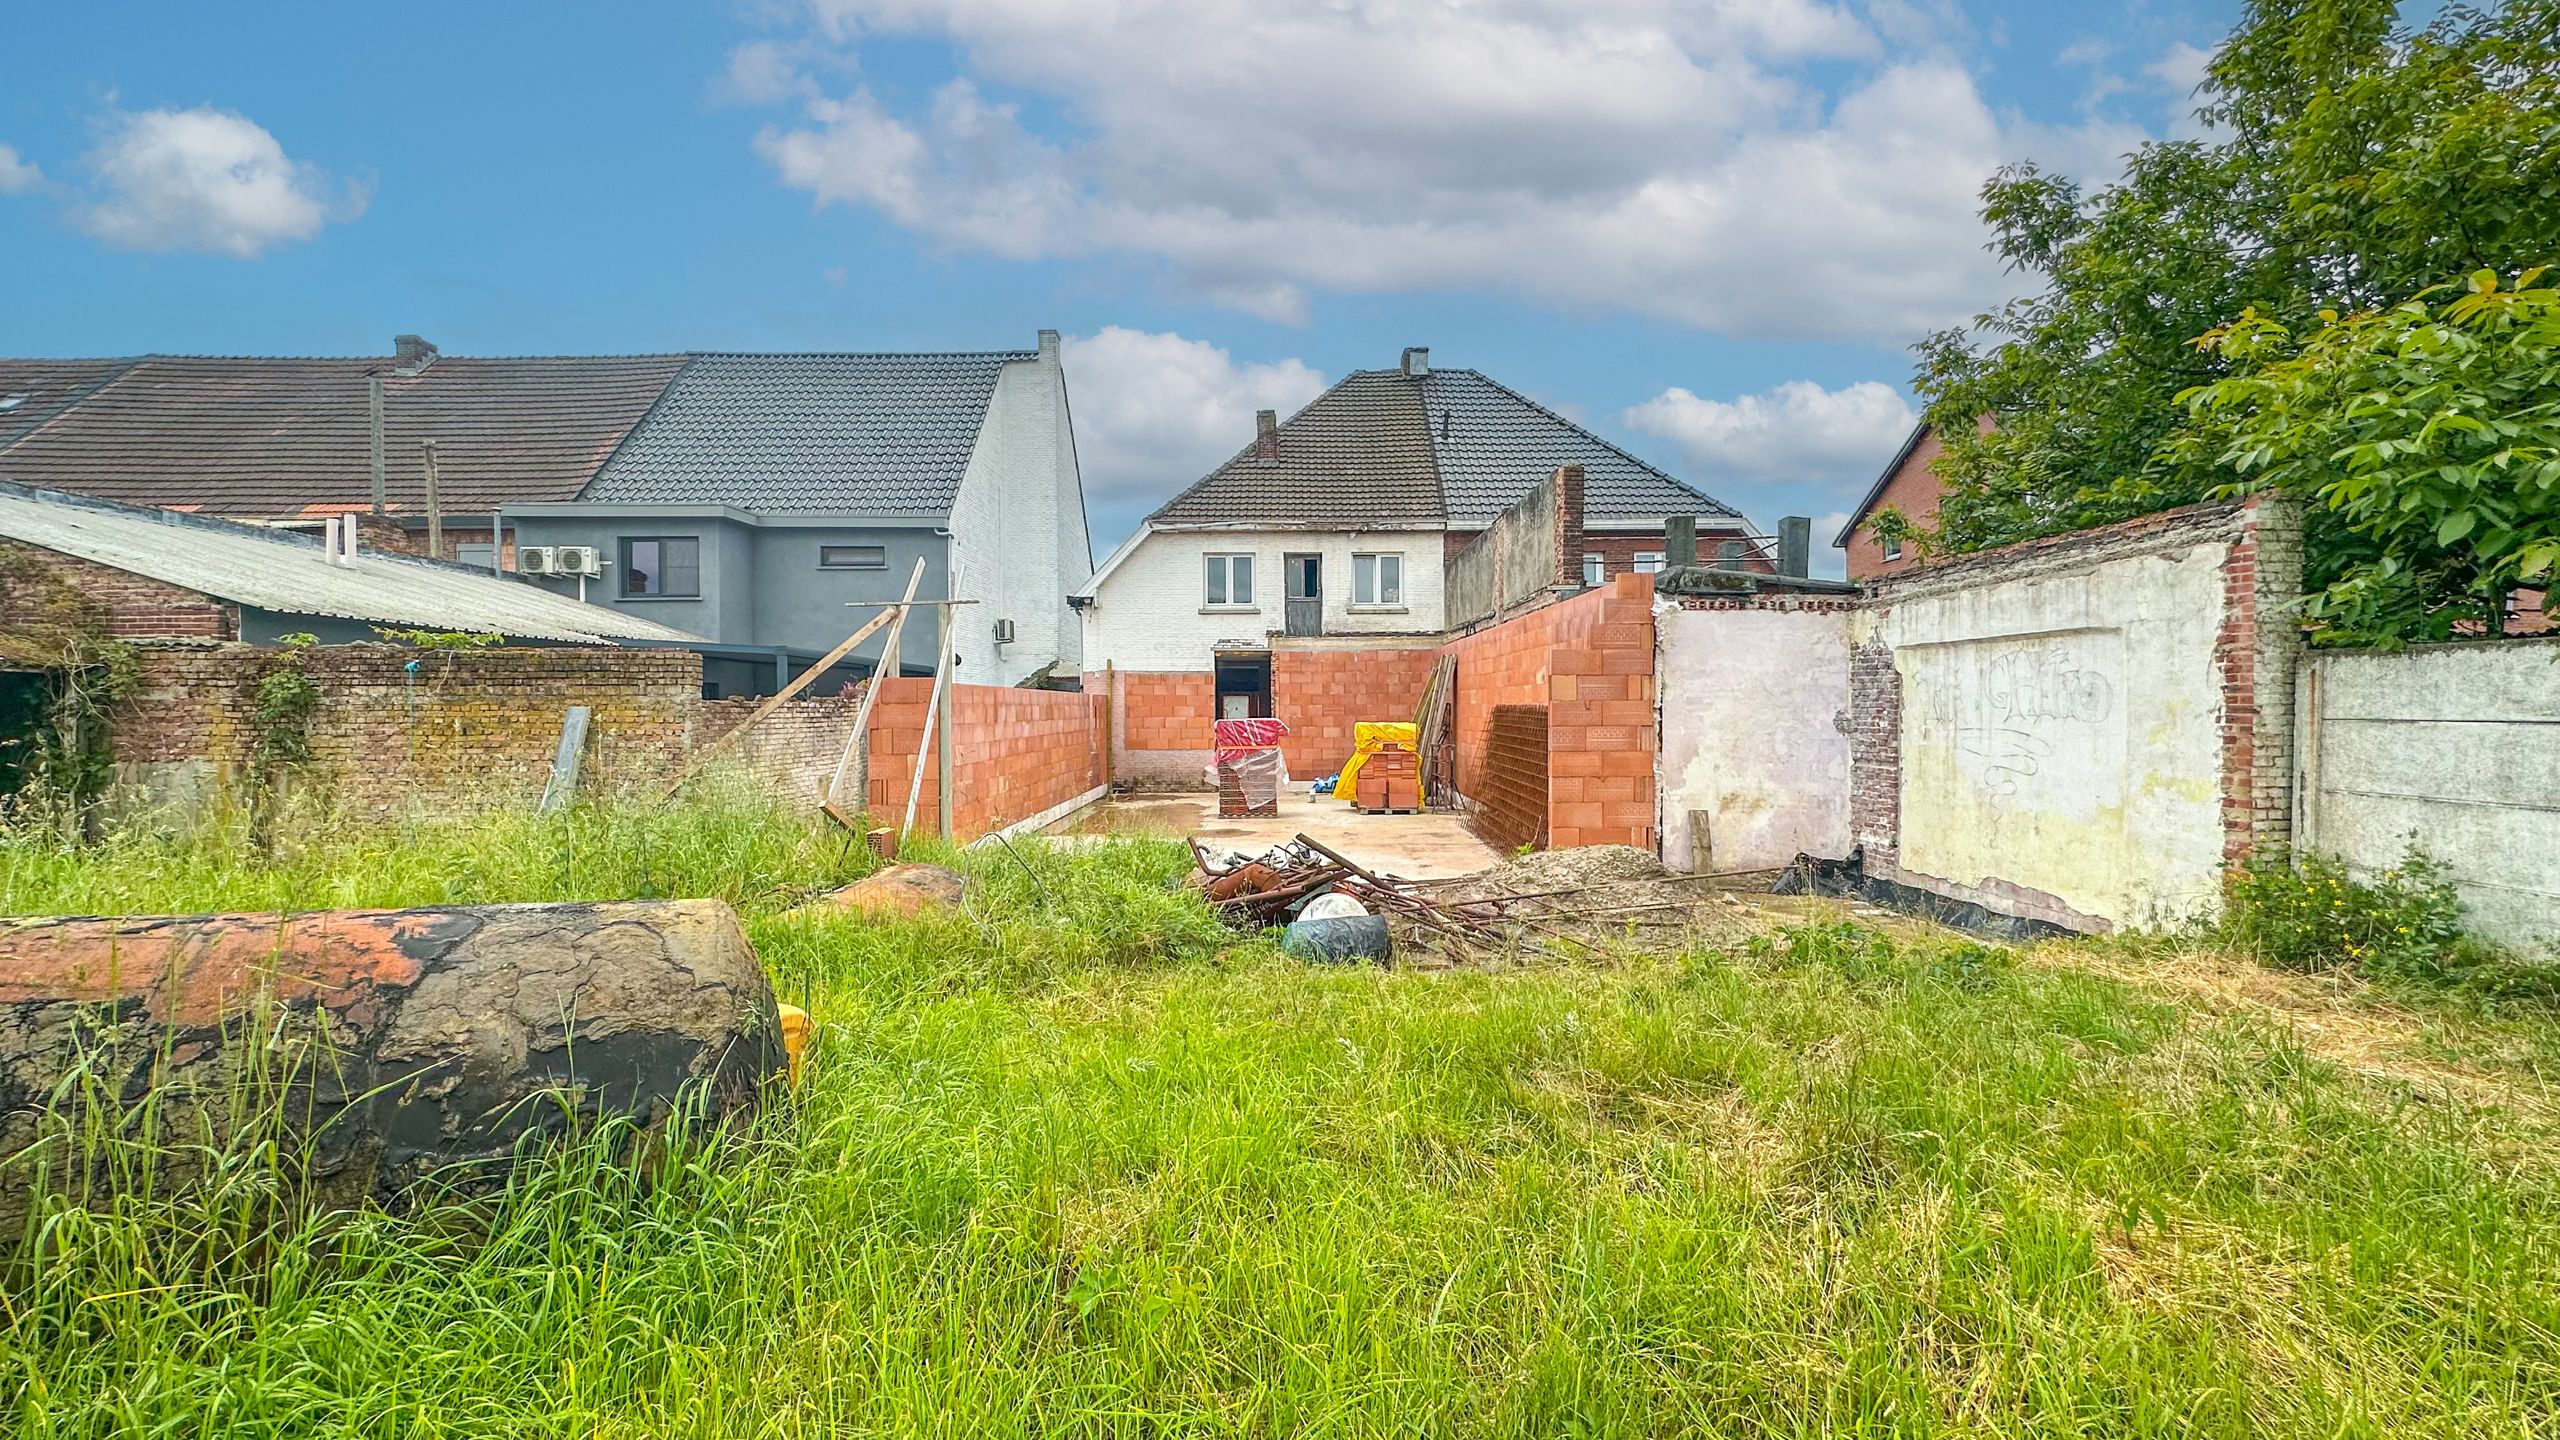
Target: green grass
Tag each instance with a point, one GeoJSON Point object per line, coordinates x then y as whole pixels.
{"type": "Point", "coordinates": [1077, 1163]}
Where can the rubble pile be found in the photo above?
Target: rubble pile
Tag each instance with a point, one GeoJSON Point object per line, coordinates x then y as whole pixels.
{"type": "Point", "coordinates": [1569, 898]}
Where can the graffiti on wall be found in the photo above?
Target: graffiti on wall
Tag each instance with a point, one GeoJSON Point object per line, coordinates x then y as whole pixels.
{"type": "Point", "coordinates": [2025, 723]}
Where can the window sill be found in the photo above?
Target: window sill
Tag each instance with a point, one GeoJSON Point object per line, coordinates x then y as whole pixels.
{"type": "Point", "coordinates": [1230, 609]}
{"type": "Point", "coordinates": [1381, 610]}
{"type": "Point", "coordinates": [654, 599]}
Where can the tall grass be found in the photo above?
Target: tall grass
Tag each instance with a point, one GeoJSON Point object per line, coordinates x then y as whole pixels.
{"type": "Point", "coordinates": [1074, 1162]}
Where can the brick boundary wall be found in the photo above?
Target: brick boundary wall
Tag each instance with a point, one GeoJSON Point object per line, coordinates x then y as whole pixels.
{"type": "Point", "coordinates": [464, 729]}
{"type": "Point", "coordinates": [793, 751]}
{"type": "Point", "coordinates": [1016, 754]}
{"type": "Point", "coordinates": [2254, 655]}
{"type": "Point", "coordinates": [1590, 661]}
{"type": "Point", "coordinates": [125, 605]}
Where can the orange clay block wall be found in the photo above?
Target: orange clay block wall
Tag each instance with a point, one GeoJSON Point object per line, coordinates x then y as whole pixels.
{"type": "Point", "coordinates": [1590, 661]}
{"type": "Point", "coordinates": [1323, 693]}
{"type": "Point", "coordinates": [1015, 753]}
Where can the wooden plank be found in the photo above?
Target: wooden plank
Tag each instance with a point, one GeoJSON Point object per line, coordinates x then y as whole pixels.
{"type": "Point", "coordinates": [563, 784]}
{"type": "Point", "coordinates": [857, 745]}
{"type": "Point", "coordinates": [774, 702]}
{"type": "Point", "coordinates": [942, 738]}
{"type": "Point", "coordinates": [932, 714]}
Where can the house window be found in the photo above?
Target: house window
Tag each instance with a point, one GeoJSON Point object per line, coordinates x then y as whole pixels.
{"type": "Point", "coordinates": [1595, 568]}
{"type": "Point", "coordinates": [1230, 580]}
{"type": "Point", "coordinates": [1893, 547]}
{"type": "Point", "coordinates": [1648, 562]}
{"type": "Point", "coordinates": [853, 557]}
{"type": "Point", "coordinates": [1377, 579]}
{"type": "Point", "coordinates": [668, 565]}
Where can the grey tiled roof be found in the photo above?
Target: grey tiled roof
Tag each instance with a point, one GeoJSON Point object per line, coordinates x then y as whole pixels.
{"type": "Point", "coordinates": [870, 435]}
{"type": "Point", "coordinates": [1355, 458]}
{"type": "Point", "coordinates": [288, 574]}
{"type": "Point", "coordinates": [1493, 444]}
{"type": "Point", "coordinates": [34, 391]}
{"type": "Point", "coordinates": [276, 436]}
{"type": "Point", "coordinates": [1384, 450]}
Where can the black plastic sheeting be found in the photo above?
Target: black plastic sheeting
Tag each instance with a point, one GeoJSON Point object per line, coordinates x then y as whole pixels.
{"type": "Point", "coordinates": [1848, 879]}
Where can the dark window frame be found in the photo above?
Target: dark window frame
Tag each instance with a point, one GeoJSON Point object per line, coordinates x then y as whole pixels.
{"type": "Point", "coordinates": [882, 563]}
{"type": "Point", "coordinates": [623, 549]}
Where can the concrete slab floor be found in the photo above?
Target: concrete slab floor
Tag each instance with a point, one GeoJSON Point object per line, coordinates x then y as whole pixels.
{"type": "Point", "coordinates": [1427, 846]}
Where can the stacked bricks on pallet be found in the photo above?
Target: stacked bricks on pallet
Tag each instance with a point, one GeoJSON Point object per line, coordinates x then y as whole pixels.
{"type": "Point", "coordinates": [1391, 781]}
{"type": "Point", "coordinates": [1249, 769]}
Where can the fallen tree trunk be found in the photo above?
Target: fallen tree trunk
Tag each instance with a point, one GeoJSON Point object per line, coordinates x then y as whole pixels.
{"type": "Point", "coordinates": [376, 1045]}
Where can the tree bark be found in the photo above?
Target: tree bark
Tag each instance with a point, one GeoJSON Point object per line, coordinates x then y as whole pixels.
{"type": "Point", "coordinates": [378, 1046]}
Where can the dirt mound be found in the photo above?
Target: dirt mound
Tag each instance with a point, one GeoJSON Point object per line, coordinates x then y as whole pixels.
{"type": "Point", "coordinates": [1616, 871]}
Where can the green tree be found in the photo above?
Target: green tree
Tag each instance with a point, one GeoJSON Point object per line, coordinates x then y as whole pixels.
{"type": "Point", "coordinates": [2349, 163]}
{"type": "Point", "coordinates": [2426, 436]}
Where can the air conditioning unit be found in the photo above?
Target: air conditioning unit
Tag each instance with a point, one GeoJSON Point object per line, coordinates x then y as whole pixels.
{"type": "Point", "coordinates": [535, 560]}
{"type": "Point", "coordinates": [1004, 632]}
{"type": "Point", "coordinates": [576, 560]}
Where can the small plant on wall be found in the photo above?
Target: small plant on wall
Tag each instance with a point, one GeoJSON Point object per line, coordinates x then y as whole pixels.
{"type": "Point", "coordinates": [287, 698]}
{"type": "Point", "coordinates": [52, 633]}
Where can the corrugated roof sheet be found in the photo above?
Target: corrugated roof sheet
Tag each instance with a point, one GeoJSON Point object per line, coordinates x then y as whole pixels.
{"type": "Point", "coordinates": [1494, 444]}
{"type": "Point", "coordinates": [1384, 450]}
{"type": "Point", "coordinates": [254, 435]}
{"type": "Point", "coordinates": [873, 435]}
{"type": "Point", "coordinates": [1356, 457]}
{"type": "Point", "coordinates": [286, 573]}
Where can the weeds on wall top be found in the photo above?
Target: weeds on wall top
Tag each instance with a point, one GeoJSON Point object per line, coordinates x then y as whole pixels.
{"type": "Point", "coordinates": [464, 640]}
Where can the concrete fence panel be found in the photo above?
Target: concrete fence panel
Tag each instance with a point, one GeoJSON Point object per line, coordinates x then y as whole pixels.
{"type": "Point", "coordinates": [2453, 747]}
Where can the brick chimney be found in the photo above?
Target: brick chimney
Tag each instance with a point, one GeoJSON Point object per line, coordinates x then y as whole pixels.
{"type": "Point", "coordinates": [1417, 361]}
{"type": "Point", "coordinates": [1266, 435]}
{"type": "Point", "coordinates": [411, 353]}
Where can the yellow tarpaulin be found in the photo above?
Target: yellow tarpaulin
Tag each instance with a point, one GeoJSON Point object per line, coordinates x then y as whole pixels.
{"type": "Point", "coordinates": [1368, 737]}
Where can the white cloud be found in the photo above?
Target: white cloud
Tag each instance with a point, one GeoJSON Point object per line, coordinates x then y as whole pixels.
{"type": "Point", "coordinates": [1666, 157]}
{"type": "Point", "coordinates": [1156, 411]}
{"type": "Point", "coordinates": [2180, 70]}
{"type": "Point", "coordinates": [1829, 561]}
{"type": "Point", "coordinates": [17, 175]}
{"type": "Point", "coordinates": [762, 72]}
{"type": "Point", "coordinates": [1823, 445]}
{"type": "Point", "coordinates": [205, 179]}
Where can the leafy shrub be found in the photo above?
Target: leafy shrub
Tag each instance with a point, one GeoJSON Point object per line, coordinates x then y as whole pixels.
{"type": "Point", "coordinates": [2307, 913]}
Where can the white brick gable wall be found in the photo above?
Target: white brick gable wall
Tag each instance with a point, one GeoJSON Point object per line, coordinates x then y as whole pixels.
{"type": "Point", "coordinates": [1018, 541]}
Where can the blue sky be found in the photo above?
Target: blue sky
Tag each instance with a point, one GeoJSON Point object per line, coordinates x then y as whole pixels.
{"type": "Point", "coordinates": [1708, 230]}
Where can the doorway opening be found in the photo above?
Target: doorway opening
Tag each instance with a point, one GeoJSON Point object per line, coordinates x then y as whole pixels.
{"type": "Point", "coordinates": [1244, 686]}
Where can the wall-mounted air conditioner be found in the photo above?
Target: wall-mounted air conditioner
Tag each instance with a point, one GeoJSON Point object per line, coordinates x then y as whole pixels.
{"type": "Point", "coordinates": [580, 560]}
{"type": "Point", "coordinates": [535, 560]}
{"type": "Point", "coordinates": [1004, 632]}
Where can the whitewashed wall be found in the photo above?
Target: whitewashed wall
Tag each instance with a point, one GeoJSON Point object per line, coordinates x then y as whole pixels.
{"type": "Point", "coordinates": [2061, 731]}
{"type": "Point", "coordinates": [1149, 613]}
{"type": "Point", "coordinates": [1752, 741]}
{"type": "Point", "coordinates": [2454, 746]}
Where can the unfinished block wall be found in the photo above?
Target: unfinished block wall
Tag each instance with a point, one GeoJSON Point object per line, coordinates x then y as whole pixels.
{"type": "Point", "coordinates": [1590, 661]}
{"type": "Point", "coordinates": [1323, 693]}
{"type": "Point", "coordinates": [1016, 754]}
{"type": "Point", "coordinates": [1160, 725]}
{"type": "Point", "coordinates": [460, 730]}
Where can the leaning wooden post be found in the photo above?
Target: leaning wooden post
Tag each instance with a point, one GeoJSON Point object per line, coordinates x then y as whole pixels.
{"type": "Point", "coordinates": [942, 732]}
{"type": "Point", "coordinates": [932, 710]}
{"type": "Point", "coordinates": [857, 745]}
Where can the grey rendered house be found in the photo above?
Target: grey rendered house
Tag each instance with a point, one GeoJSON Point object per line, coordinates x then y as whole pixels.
{"type": "Point", "coordinates": [743, 498]}
{"type": "Point", "coordinates": [763, 494]}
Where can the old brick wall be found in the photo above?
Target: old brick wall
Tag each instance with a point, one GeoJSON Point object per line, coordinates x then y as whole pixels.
{"type": "Point", "coordinates": [124, 605]}
{"type": "Point", "coordinates": [1323, 693]}
{"type": "Point", "coordinates": [792, 751]}
{"type": "Point", "coordinates": [1015, 753]}
{"type": "Point", "coordinates": [462, 729]}
{"type": "Point", "coordinates": [1590, 662]}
